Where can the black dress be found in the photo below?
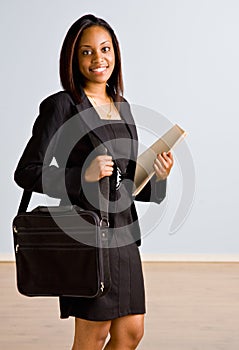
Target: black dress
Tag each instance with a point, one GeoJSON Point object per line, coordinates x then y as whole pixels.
{"type": "Point", "coordinates": [126, 295]}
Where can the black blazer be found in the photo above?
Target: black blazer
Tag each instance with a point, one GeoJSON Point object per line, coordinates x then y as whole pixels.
{"type": "Point", "coordinates": [61, 131]}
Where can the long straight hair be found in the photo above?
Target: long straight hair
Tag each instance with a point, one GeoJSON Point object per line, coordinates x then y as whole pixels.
{"type": "Point", "coordinates": [71, 78]}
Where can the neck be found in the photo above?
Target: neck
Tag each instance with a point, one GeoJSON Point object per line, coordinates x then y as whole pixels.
{"type": "Point", "coordinates": [96, 90]}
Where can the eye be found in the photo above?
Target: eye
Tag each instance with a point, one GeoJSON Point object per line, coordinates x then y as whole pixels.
{"type": "Point", "coordinates": [106, 49]}
{"type": "Point", "coordinates": [86, 52]}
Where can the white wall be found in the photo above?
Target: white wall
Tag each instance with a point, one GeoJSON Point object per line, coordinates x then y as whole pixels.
{"type": "Point", "coordinates": [180, 58]}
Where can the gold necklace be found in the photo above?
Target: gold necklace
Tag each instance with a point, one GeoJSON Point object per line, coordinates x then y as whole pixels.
{"type": "Point", "coordinates": [107, 113]}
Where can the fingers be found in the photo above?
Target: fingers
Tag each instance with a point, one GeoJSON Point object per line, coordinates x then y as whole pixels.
{"type": "Point", "coordinates": [160, 170]}
{"type": "Point", "coordinates": [168, 159]}
{"type": "Point", "coordinates": [163, 164]}
{"type": "Point", "coordinates": [100, 166]}
{"type": "Point", "coordinates": [104, 158]}
{"type": "Point", "coordinates": [169, 155]}
{"type": "Point", "coordinates": [105, 164]}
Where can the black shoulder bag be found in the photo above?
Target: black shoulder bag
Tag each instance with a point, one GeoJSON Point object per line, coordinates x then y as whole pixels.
{"type": "Point", "coordinates": [62, 251]}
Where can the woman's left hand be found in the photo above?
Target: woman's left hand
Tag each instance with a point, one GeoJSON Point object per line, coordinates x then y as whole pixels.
{"type": "Point", "coordinates": [163, 165]}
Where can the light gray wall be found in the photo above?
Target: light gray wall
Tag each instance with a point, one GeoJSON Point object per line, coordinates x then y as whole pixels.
{"type": "Point", "coordinates": [180, 58]}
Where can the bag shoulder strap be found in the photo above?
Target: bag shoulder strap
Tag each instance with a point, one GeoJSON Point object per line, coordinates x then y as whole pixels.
{"type": "Point", "coordinates": [103, 189]}
{"type": "Point", "coordinates": [26, 197]}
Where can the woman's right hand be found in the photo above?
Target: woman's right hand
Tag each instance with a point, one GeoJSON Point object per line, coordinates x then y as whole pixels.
{"type": "Point", "coordinates": [100, 167]}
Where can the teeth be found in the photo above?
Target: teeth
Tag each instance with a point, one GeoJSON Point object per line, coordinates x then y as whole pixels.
{"type": "Point", "coordinates": [100, 69]}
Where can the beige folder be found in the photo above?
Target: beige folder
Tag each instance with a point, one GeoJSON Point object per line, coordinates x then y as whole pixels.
{"type": "Point", "coordinates": [144, 168]}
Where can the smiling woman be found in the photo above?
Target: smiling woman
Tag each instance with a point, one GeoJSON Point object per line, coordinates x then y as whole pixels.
{"type": "Point", "coordinates": [90, 70]}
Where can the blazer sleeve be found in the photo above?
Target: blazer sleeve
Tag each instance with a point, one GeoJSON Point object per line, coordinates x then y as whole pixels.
{"type": "Point", "coordinates": [33, 163]}
{"type": "Point", "coordinates": [154, 191]}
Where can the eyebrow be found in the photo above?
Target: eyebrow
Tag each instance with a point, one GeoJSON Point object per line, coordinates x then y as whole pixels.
{"type": "Point", "coordinates": [104, 42]}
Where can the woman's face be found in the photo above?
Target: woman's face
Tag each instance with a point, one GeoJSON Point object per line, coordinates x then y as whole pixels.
{"type": "Point", "coordinates": [96, 55]}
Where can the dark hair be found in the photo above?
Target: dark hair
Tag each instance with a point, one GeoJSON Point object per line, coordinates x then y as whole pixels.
{"type": "Point", "coordinates": [71, 78]}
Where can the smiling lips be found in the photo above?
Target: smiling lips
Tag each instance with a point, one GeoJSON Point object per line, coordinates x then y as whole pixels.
{"type": "Point", "coordinates": [98, 69]}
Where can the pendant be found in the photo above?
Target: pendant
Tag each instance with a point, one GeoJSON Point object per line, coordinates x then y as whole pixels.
{"type": "Point", "coordinates": [108, 116]}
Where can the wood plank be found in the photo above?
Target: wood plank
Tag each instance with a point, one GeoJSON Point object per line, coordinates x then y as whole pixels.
{"type": "Point", "coordinates": [190, 306]}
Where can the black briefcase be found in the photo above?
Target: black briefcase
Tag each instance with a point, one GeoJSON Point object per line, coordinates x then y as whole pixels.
{"type": "Point", "coordinates": [61, 251]}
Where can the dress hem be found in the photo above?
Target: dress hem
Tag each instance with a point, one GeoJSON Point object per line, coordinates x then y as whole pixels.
{"type": "Point", "coordinates": [104, 319]}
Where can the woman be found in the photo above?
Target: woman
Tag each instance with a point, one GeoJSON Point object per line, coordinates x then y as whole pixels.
{"type": "Point", "coordinates": [90, 70]}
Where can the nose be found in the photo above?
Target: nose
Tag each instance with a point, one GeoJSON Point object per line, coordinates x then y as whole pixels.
{"type": "Point", "coordinates": [97, 57]}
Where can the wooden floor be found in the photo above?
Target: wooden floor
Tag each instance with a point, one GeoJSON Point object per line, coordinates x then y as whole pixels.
{"type": "Point", "coordinates": [190, 306]}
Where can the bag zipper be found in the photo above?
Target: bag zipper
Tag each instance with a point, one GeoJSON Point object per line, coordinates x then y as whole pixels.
{"type": "Point", "coordinates": [45, 229]}
{"type": "Point", "coordinates": [49, 246]}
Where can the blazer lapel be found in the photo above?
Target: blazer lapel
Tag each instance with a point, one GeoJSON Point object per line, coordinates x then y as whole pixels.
{"type": "Point", "coordinates": [90, 118]}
